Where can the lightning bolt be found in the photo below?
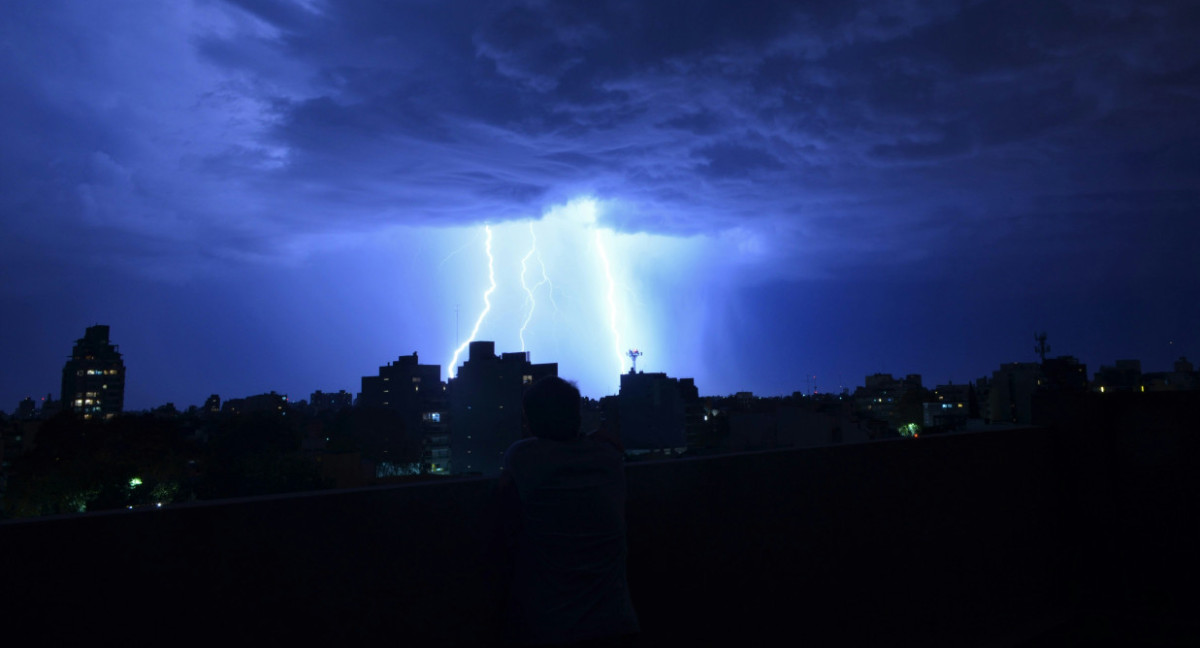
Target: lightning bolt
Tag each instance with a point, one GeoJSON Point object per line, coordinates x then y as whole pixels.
{"type": "Point", "coordinates": [546, 280]}
{"type": "Point", "coordinates": [456, 251]}
{"type": "Point", "coordinates": [530, 300]}
{"type": "Point", "coordinates": [528, 292]}
{"type": "Point", "coordinates": [612, 305]}
{"type": "Point", "coordinates": [487, 303]}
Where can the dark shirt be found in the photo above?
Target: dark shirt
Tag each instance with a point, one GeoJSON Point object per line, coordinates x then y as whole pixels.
{"type": "Point", "coordinates": [566, 521]}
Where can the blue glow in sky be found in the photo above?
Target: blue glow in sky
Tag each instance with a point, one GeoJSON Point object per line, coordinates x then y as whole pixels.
{"type": "Point", "coordinates": [272, 195]}
{"type": "Point", "coordinates": [605, 287]}
{"type": "Point", "coordinates": [452, 368]}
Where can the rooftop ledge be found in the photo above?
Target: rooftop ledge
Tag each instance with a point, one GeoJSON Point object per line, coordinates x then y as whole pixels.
{"type": "Point", "coordinates": [1067, 534]}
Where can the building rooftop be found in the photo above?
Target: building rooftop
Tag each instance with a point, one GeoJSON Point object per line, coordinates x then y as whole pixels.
{"type": "Point", "coordinates": [1068, 534]}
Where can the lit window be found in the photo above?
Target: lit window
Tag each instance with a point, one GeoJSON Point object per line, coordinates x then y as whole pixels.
{"type": "Point", "coordinates": [416, 379]}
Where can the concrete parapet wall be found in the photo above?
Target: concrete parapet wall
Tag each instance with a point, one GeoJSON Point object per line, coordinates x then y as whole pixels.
{"type": "Point", "coordinates": [954, 540]}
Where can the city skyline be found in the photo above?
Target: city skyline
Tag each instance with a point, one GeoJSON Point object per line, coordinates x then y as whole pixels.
{"type": "Point", "coordinates": [281, 196]}
{"type": "Point", "coordinates": [811, 387]}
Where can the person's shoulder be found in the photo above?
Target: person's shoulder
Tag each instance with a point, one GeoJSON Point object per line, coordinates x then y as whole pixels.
{"type": "Point", "coordinates": [523, 444]}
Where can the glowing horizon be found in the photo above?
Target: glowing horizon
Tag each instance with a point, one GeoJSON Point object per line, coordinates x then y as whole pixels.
{"type": "Point", "coordinates": [591, 269]}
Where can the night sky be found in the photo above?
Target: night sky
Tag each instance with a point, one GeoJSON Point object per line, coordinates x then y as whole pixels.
{"type": "Point", "coordinates": [261, 195]}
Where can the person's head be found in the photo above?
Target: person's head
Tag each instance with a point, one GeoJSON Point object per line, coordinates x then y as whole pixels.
{"type": "Point", "coordinates": [552, 409]}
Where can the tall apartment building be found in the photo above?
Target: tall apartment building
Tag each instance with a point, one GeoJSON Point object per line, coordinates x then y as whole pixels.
{"type": "Point", "coordinates": [416, 391]}
{"type": "Point", "coordinates": [1012, 389]}
{"type": "Point", "coordinates": [652, 411]}
{"type": "Point", "coordinates": [485, 406]}
{"type": "Point", "coordinates": [93, 380]}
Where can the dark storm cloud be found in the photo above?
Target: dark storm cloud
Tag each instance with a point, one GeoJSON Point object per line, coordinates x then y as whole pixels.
{"type": "Point", "coordinates": [693, 115]}
{"type": "Point", "coordinates": [945, 140]}
{"type": "Point", "coordinates": [988, 149]}
{"type": "Point", "coordinates": [733, 160]}
{"type": "Point", "coordinates": [704, 122]}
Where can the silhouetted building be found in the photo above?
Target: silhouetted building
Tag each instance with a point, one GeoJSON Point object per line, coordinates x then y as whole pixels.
{"type": "Point", "coordinates": [881, 394]}
{"type": "Point", "coordinates": [1064, 373]}
{"type": "Point", "coordinates": [166, 410]}
{"type": "Point", "coordinates": [212, 405]}
{"type": "Point", "coordinates": [652, 411]}
{"type": "Point", "coordinates": [416, 391]}
{"type": "Point", "coordinates": [93, 380]}
{"type": "Point", "coordinates": [485, 406]}
{"type": "Point", "coordinates": [329, 402]}
{"type": "Point", "coordinates": [696, 427]}
{"type": "Point", "coordinates": [270, 402]}
{"type": "Point", "coordinates": [26, 410]}
{"type": "Point", "coordinates": [401, 385]}
{"type": "Point", "coordinates": [1012, 389]}
{"type": "Point", "coordinates": [1124, 376]}
{"type": "Point", "coordinates": [949, 408]}
{"type": "Point", "coordinates": [435, 453]}
{"type": "Point", "coordinates": [771, 423]}
{"type": "Point", "coordinates": [983, 399]}
{"type": "Point", "coordinates": [1183, 377]}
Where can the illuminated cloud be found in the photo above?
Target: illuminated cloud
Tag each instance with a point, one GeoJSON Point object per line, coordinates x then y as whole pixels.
{"type": "Point", "coordinates": [606, 293]}
{"type": "Point", "coordinates": [780, 189]}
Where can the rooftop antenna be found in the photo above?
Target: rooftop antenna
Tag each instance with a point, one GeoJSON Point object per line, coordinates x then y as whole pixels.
{"type": "Point", "coordinates": [1042, 348]}
{"type": "Point", "coordinates": [634, 354]}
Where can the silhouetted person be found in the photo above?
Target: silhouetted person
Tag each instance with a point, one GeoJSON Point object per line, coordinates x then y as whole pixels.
{"type": "Point", "coordinates": [562, 498]}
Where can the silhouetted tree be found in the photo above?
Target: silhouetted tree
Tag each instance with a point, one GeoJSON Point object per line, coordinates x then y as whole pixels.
{"type": "Point", "coordinates": [379, 434]}
{"type": "Point", "coordinates": [83, 465]}
{"type": "Point", "coordinates": [909, 409]}
{"type": "Point", "coordinates": [256, 454]}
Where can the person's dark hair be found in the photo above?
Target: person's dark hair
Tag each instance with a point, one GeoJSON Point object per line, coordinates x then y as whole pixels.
{"type": "Point", "coordinates": [552, 409]}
